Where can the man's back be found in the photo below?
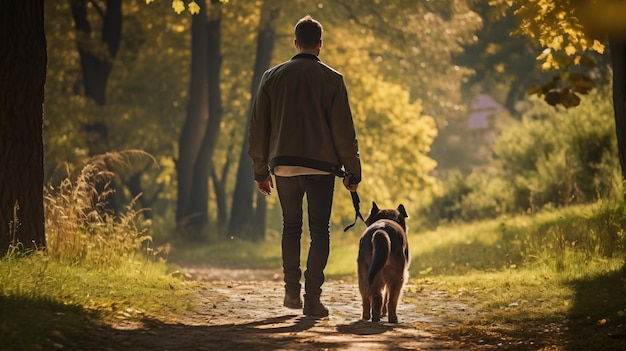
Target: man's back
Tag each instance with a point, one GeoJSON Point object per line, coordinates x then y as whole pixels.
{"type": "Point", "coordinates": [308, 111]}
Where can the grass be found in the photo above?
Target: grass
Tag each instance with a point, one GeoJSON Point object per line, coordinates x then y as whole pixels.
{"type": "Point", "coordinates": [46, 304]}
{"type": "Point", "coordinates": [554, 280]}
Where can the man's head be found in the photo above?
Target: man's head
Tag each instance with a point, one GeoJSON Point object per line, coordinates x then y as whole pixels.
{"type": "Point", "coordinates": [308, 34]}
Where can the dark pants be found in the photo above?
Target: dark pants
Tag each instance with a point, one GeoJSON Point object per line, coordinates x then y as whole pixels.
{"type": "Point", "coordinates": [319, 192]}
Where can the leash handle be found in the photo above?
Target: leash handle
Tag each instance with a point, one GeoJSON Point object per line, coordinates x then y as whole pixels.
{"type": "Point", "coordinates": [355, 202]}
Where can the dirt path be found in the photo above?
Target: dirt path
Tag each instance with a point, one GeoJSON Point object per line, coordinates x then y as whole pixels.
{"type": "Point", "coordinates": [242, 310]}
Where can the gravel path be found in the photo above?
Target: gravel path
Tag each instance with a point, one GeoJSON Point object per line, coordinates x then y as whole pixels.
{"type": "Point", "coordinates": [242, 310]}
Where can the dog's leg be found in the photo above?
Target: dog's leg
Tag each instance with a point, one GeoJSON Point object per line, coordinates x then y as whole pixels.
{"type": "Point", "coordinates": [367, 307]}
{"type": "Point", "coordinates": [377, 301]}
{"type": "Point", "coordinates": [366, 297]}
{"type": "Point", "coordinates": [385, 301]}
{"type": "Point", "coordinates": [366, 292]}
{"type": "Point", "coordinates": [394, 291]}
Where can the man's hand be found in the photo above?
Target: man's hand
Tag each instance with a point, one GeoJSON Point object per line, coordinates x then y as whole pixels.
{"type": "Point", "coordinates": [346, 183]}
{"type": "Point", "coordinates": [265, 186]}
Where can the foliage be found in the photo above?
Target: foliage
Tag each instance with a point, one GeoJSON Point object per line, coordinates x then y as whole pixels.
{"type": "Point", "coordinates": [467, 198]}
{"type": "Point", "coordinates": [393, 55]}
{"type": "Point", "coordinates": [569, 32]}
{"type": "Point", "coordinates": [145, 101]}
{"type": "Point", "coordinates": [577, 164]}
{"type": "Point", "coordinates": [179, 6]}
{"type": "Point", "coordinates": [504, 65]}
{"type": "Point", "coordinates": [412, 43]}
{"type": "Point", "coordinates": [549, 158]}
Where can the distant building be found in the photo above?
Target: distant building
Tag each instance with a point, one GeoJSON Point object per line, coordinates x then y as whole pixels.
{"type": "Point", "coordinates": [481, 108]}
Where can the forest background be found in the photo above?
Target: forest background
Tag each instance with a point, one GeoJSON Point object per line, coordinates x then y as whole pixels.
{"type": "Point", "coordinates": [144, 133]}
{"type": "Point", "coordinates": [161, 101]}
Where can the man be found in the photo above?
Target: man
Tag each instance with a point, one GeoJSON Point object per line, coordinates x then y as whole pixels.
{"type": "Point", "coordinates": [302, 131]}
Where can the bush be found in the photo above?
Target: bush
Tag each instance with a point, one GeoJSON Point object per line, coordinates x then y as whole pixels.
{"type": "Point", "coordinates": [550, 158]}
{"type": "Point", "coordinates": [560, 157]}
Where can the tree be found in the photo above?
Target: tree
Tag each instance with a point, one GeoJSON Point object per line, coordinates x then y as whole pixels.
{"type": "Point", "coordinates": [567, 30]}
{"type": "Point", "coordinates": [504, 65]}
{"type": "Point", "coordinates": [22, 79]}
{"type": "Point", "coordinates": [242, 212]}
{"type": "Point", "coordinates": [413, 44]}
{"type": "Point", "coordinates": [97, 49]}
{"type": "Point", "coordinates": [194, 127]}
{"type": "Point", "coordinates": [145, 101]}
{"type": "Point", "coordinates": [199, 201]}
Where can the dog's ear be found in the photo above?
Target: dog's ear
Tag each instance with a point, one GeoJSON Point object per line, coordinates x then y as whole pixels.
{"type": "Point", "coordinates": [374, 208]}
{"type": "Point", "coordinates": [402, 211]}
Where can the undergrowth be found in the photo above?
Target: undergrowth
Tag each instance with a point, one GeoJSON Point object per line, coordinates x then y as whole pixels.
{"type": "Point", "coordinates": [98, 266]}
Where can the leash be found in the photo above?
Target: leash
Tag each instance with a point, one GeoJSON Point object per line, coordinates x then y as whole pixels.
{"type": "Point", "coordinates": [355, 201]}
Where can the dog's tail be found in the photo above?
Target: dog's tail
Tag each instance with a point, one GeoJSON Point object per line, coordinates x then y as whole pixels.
{"type": "Point", "coordinates": [382, 246]}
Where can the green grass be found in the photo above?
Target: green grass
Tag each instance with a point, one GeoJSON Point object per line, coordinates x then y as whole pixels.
{"type": "Point", "coordinates": [46, 304]}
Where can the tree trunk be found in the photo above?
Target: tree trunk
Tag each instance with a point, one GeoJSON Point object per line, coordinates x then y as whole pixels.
{"type": "Point", "coordinates": [193, 129]}
{"type": "Point", "coordinates": [617, 47]}
{"type": "Point", "coordinates": [199, 202]}
{"type": "Point", "coordinates": [96, 63]}
{"type": "Point", "coordinates": [22, 78]}
{"type": "Point", "coordinates": [219, 188]}
{"type": "Point", "coordinates": [242, 213]}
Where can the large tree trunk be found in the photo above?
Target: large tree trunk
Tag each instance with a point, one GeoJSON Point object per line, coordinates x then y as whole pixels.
{"type": "Point", "coordinates": [199, 202]}
{"type": "Point", "coordinates": [193, 129]}
{"type": "Point", "coordinates": [96, 64]}
{"type": "Point", "coordinates": [242, 213]}
{"type": "Point", "coordinates": [617, 47]}
{"type": "Point", "coordinates": [22, 78]}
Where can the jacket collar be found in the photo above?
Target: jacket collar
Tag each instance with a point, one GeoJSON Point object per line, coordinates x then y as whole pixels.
{"type": "Point", "coordinates": [307, 56]}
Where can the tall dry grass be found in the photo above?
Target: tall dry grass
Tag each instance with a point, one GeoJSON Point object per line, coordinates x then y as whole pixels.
{"type": "Point", "coordinates": [80, 226]}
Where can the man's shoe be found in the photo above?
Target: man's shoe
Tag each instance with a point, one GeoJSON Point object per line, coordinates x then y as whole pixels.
{"type": "Point", "coordinates": [292, 302]}
{"type": "Point", "coordinates": [314, 308]}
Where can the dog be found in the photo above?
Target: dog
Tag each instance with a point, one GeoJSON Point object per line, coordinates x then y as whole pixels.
{"type": "Point", "coordinates": [383, 262]}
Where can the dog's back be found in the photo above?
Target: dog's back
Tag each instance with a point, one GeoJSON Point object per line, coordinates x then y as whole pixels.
{"type": "Point", "coordinates": [383, 262]}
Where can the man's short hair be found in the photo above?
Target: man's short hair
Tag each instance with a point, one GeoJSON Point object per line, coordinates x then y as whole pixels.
{"type": "Point", "coordinates": [308, 32]}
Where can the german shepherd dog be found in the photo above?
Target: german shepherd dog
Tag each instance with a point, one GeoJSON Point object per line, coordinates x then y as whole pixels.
{"type": "Point", "coordinates": [383, 262]}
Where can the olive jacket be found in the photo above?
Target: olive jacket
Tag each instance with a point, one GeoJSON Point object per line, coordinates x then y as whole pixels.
{"type": "Point", "coordinates": [301, 117]}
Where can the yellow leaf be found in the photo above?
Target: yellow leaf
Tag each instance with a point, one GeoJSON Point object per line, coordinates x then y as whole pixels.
{"type": "Point", "coordinates": [570, 50]}
{"type": "Point", "coordinates": [598, 47]}
{"type": "Point", "coordinates": [149, 1]}
{"type": "Point", "coordinates": [194, 8]}
{"type": "Point", "coordinates": [178, 6]}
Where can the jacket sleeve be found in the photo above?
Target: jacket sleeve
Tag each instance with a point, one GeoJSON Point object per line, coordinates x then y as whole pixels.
{"type": "Point", "coordinates": [344, 133]}
{"type": "Point", "coordinates": [259, 132]}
